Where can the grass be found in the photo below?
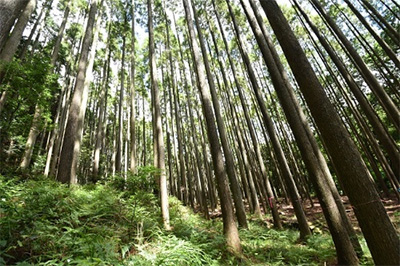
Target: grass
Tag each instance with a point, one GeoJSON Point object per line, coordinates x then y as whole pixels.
{"type": "Point", "coordinates": [45, 223]}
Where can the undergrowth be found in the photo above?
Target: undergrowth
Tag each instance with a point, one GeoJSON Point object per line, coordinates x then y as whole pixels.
{"type": "Point", "coordinates": [43, 222]}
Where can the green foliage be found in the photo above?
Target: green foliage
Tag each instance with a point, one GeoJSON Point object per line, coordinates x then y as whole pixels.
{"type": "Point", "coordinates": [45, 222]}
{"type": "Point", "coordinates": [28, 84]}
{"type": "Point", "coordinates": [142, 181]}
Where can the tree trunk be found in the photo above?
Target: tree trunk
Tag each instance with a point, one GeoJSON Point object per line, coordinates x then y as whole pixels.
{"type": "Point", "coordinates": [133, 163]}
{"type": "Point", "coordinates": [157, 123]}
{"type": "Point", "coordinates": [378, 230]}
{"type": "Point", "coordinates": [71, 146]}
{"type": "Point", "coordinates": [230, 228]}
{"type": "Point", "coordinates": [275, 214]}
{"type": "Point", "coordinates": [118, 158]}
{"type": "Point", "coordinates": [381, 133]}
{"type": "Point", "coordinates": [45, 10]}
{"type": "Point", "coordinates": [11, 46]}
{"type": "Point", "coordinates": [284, 167]}
{"type": "Point", "coordinates": [391, 109]}
{"type": "Point", "coordinates": [101, 127]}
{"type": "Point", "coordinates": [57, 45]}
{"type": "Point", "coordinates": [9, 12]}
{"type": "Point", "coordinates": [392, 32]}
{"type": "Point", "coordinates": [379, 40]}
{"type": "Point", "coordinates": [30, 143]}
{"type": "Point", "coordinates": [229, 161]}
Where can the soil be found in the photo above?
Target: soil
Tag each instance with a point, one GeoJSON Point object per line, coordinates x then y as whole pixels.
{"type": "Point", "coordinates": [316, 218]}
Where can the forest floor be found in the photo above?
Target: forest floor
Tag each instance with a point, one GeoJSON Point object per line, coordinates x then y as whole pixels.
{"type": "Point", "coordinates": [316, 218]}
{"type": "Point", "coordinates": [45, 223]}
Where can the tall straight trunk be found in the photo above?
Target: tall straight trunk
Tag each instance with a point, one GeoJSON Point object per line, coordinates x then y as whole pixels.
{"type": "Point", "coordinates": [229, 161]}
{"type": "Point", "coordinates": [368, 137]}
{"type": "Point", "coordinates": [30, 143]}
{"type": "Point", "coordinates": [54, 57]}
{"type": "Point", "coordinates": [387, 5]}
{"type": "Point", "coordinates": [246, 161]}
{"type": "Point", "coordinates": [132, 166]}
{"type": "Point", "coordinates": [392, 32]}
{"type": "Point", "coordinates": [200, 173]}
{"type": "Point", "coordinates": [157, 123]}
{"type": "Point", "coordinates": [71, 145]}
{"type": "Point", "coordinates": [263, 169]}
{"type": "Point", "coordinates": [254, 198]}
{"type": "Point", "coordinates": [144, 133]}
{"type": "Point", "coordinates": [55, 153]}
{"type": "Point", "coordinates": [34, 130]}
{"type": "Point", "coordinates": [284, 167]}
{"type": "Point", "coordinates": [60, 35]}
{"type": "Point", "coordinates": [171, 88]}
{"type": "Point", "coordinates": [11, 46]}
{"type": "Point", "coordinates": [182, 190]}
{"type": "Point", "coordinates": [207, 165]}
{"type": "Point", "coordinates": [172, 148]}
{"type": "Point", "coordinates": [118, 158]}
{"type": "Point", "coordinates": [230, 229]}
{"type": "Point", "coordinates": [387, 103]}
{"type": "Point", "coordinates": [379, 40]}
{"type": "Point", "coordinates": [380, 131]}
{"type": "Point", "coordinates": [55, 131]}
{"type": "Point", "coordinates": [45, 10]}
{"type": "Point", "coordinates": [61, 128]}
{"type": "Point", "coordinates": [101, 127]}
{"type": "Point", "coordinates": [9, 13]}
{"type": "Point", "coordinates": [377, 228]}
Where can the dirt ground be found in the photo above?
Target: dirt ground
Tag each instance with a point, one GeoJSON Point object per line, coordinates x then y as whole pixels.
{"type": "Point", "coordinates": [316, 218]}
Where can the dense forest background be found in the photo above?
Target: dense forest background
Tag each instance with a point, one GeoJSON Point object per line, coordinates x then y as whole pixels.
{"type": "Point", "coordinates": [199, 132]}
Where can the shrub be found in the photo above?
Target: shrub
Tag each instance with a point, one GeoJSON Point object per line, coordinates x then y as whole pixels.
{"type": "Point", "coordinates": [43, 221]}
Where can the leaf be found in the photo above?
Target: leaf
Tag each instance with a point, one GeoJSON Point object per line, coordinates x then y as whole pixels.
{"type": "Point", "coordinates": [124, 250]}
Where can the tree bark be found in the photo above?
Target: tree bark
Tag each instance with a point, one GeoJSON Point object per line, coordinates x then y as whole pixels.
{"type": "Point", "coordinates": [380, 131]}
{"type": "Point", "coordinates": [71, 145]}
{"type": "Point", "coordinates": [230, 228]}
{"type": "Point", "coordinates": [271, 199]}
{"type": "Point", "coordinates": [284, 167]}
{"type": "Point", "coordinates": [118, 158]}
{"type": "Point", "coordinates": [157, 123]}
{"type": "Point", "coordinates": [379, 40]}
{"type": "Point", "coordinates": [11, 46]}
{"type": "Point", "coordinates": [229, 162]}
{"type": "Point", "coordinates": [9, 12]}
{"type": "Point", "coordinates": [378, 230]}
{"type": "Point", "coordinates": [30, 143]}
{"type": "Point", "coordinates": [132, 132]}
{"type": "Point", "coordinates": [101, 127]}
{"type": "Point", "coordinates": [61, 30]}
{"type": "Point", "coordinates": [391, 109]}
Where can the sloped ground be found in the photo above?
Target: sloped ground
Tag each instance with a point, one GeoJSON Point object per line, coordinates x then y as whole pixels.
{"type": "Point", "coordinates": [316, 217]}
{"type": "Point", "coordinates": [45, 223]}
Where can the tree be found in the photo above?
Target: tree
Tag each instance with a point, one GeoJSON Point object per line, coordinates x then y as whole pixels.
{"type": "Point", "coordinates": [229, 162]}
{"type": "Point", "coordinates": [284, 167]}
{"type": "Point", "coordinates": [11, 45]}
{"type": "Point", "coordinates": [230, 228]}
{"type": "Point", "coordinates": [387, 103]}
{"type": "Point", "coordinates": [67, 168]}
{"type": "Point", "coordinates": [9, 13]}
{"type": "Point", "coordinates": [379, 232]}
{"type": "Point", "coordinates": [133, 158]}
{"type": "Point", "coordinates": [159, 153]}
{"type": "Point", "coordinates": [314, 160]}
